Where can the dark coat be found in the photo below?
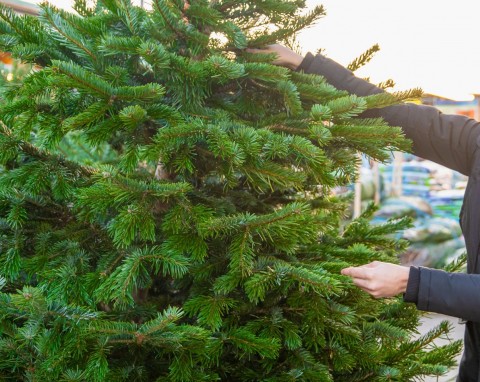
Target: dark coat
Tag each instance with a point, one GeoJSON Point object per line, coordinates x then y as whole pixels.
{"type": "Point", "coordinates": [452, 141]}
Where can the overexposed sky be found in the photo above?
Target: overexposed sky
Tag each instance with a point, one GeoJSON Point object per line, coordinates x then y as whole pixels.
{"type": "Point", "coordinates": [432, 44]}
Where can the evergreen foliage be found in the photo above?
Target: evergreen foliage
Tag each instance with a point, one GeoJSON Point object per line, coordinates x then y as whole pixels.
{"type": "Point", "coordinates": [166, 210]}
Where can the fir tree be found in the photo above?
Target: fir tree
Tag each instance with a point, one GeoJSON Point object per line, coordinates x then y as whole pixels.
{"type": "Point", "coordinates": [166, 210]}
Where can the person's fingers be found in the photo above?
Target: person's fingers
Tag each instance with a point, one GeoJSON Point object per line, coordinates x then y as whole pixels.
{"type": "Point", "coordinates": [357, 272]}
{"type": "Point", "coordinates": [363, 284]}
{"type": "Point", "coordinates": [371, 289]}
{"type": "Point", "coordinates": [260, 51]}
{"type": "Point", "coordinates": [273, 48]}
{"type": "Point", "coordinates": [346, 271]}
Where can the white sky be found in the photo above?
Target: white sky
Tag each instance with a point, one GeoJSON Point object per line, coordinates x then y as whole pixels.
{"type": "Point", "coordinates": [432, 44]}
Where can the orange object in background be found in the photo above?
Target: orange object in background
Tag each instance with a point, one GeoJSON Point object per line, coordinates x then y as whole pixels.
{"type": "Point", "coordinates": [468, 113]}
{"type": "Point", "coordinates": [6, 58]}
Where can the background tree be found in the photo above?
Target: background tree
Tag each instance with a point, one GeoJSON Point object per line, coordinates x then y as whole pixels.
{"type": "Point", "coordinates": [166, 210]}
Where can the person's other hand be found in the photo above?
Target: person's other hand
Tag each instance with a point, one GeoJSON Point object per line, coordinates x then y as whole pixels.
{"type": "Point", "coordinates": [379, 279]}
{"type": "Point", "coordinates": [285, 56]}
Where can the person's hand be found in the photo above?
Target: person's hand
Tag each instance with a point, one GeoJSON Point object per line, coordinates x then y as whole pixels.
{"type": "Point", "coordinates": [285, 56]}
{"type": "Point", "coordinates": [379, 279]}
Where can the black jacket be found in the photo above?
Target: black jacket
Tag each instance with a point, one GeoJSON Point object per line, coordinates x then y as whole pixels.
{"type": "Point", "coordinates": [452, 141]}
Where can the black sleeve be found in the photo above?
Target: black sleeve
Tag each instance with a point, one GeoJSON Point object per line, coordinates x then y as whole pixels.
{"type": "Point", "coordinates": [450, 140]}
{"type": "Point", "coordinates": [453, 294]}
{"type": "Point", "coordinates": [411, 294]}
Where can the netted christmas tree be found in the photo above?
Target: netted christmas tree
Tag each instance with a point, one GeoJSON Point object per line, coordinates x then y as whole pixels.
{"type": "Point", "coordinates": [166, 211]}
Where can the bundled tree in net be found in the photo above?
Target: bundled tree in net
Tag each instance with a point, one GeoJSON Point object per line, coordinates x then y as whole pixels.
{"type": "Point", "coordinates": [166, 210]}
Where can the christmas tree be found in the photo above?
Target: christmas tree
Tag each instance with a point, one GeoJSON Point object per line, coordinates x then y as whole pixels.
{"type": "Point", "coordinates": [166, 211]}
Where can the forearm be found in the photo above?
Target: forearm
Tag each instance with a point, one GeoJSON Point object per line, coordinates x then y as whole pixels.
{"type": "Point", "coordinates": [450, 140]}
{"type": "Point", "coordinates": [337, 75]}
{"type": "Point", "coordinates": [453, 294]}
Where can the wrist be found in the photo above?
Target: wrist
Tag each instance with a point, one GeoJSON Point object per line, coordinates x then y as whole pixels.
{"type": "Point", "coordinates": [295, 61]}
{"type": "Point", "coordinates": [403, 279]}
{"type": "Point", "coordinates": [306, 63]}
